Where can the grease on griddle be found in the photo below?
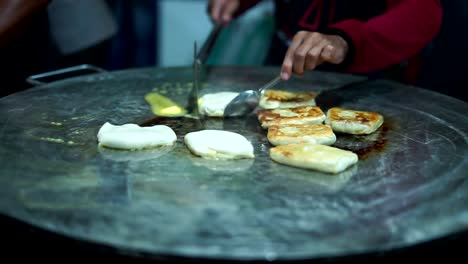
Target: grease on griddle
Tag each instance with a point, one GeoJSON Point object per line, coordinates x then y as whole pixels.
{"type": "Point", "coordinates": [365, 145]}
{"type": "Point", "coordinates": [180, 125]}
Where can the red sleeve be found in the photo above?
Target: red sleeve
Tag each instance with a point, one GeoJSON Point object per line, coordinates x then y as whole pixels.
{"type": "Point", "coordinates": [393, 37]}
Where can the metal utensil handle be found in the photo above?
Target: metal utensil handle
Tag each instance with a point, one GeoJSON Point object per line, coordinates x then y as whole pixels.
{"type": "Point", "coordinates": [205, 50]}
{"type": "Point", "coordinates": [192, 106]}
{"type": "Point", "coordinates": [270, 84]}
{"type": "Point", "coordinates": [34, 79]}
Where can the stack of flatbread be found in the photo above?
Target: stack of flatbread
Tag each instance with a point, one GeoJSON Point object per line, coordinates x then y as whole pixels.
{"type": "Point", "coordinates": [302, 134]}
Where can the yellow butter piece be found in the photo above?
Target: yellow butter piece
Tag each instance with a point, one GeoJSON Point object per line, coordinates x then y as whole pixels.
{"type": "Point", "coordinates": [163, 106]}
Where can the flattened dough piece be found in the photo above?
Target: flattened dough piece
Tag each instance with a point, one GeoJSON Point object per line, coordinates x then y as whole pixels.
{"type": "Point", "coordinates": [353, 121]}
{"type": "Point", "coordinates": [272, 99]}
{"type": "Point", "coordinates": [213, 104]}
{"type": "Point", "coordinates": [219, 144]}
{"type": "Point", "coordinates": [288, 116]}
{"type": "Point", "coordinates": [133, 137]}
{"type": "Point", "coordinates": [304, 133]}
{"type": "Point", "coordinates": [314, 156]}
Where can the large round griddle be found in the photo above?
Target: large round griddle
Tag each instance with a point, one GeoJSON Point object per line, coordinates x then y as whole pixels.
{"type": "Point", "coordinates": [410, 185]}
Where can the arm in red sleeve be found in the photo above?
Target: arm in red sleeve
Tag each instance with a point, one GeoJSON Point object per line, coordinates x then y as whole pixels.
{"type": "Point", "coordinates": [393, 37]}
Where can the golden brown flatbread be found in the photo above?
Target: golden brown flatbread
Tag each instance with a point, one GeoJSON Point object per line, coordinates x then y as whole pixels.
{"type": "Point", "coordinates": [303, 133]}
{"type": "Point", "coordinates": [272, 99]}
{"type": "Point", "coordinates": [288, 116]}
{"type": "Point", "coordinates": [353, 121]}
{"type": "Point", "coordinates": [314, 156]}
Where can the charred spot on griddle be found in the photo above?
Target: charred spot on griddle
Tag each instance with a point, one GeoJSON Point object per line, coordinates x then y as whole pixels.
{"type": "Point", "coordinates": [365, 145]}
{"type": "Point", "coordinates": [348, 93]}
{"type": "Point", "coordinates": [180, 125]}
{"type": "Point", "coordinates": [328, 99]}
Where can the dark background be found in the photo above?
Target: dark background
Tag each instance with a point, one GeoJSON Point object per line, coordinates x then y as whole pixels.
{"type": "Point", "coordinates": [21, 241]}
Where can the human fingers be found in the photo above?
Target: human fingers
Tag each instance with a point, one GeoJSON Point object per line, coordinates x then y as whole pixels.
{"type": "Point", "coordinates": [313, 58]}
{"type": "Point", "coordinates": [228, 11]}
{"type": "Point", "coordinates": [215, 7]}
{"type": "Point", "coordinates": [287, 67]}
{"type": "Point", "coordinates": [335, 52]}
{"type": "Point", "coordinates": [307, 51]}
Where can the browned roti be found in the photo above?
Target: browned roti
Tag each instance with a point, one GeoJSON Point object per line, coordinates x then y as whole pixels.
{"type": "Point", "coordinates": [301, 133]}
{"type": "Point", "coordinates": [272, 99]}
{"type": "Point", "coordinates": [353, 121]}
{"type": "Point", "coordinates": [314, 156]}
{"type": "Point", "coordinates": [287, 116]}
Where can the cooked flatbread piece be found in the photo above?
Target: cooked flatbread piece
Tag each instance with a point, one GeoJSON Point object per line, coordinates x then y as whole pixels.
{"type": "Point", "coordinates": [213, 104]}
{"type": "Point", "coordinates": [314, 156]}
{"type": "Point", "coordinates": [133, 137]}
{"type": "Point", "coordinates": [272, 99]}
{"type": "Point", "coordinates": [304, 133]}
{"type": "Point", "coordinates": [353, 121]}
{"type": "Point", "coordinates": [288, 116]}
{"type": "Point", "coordinates": [219, 144]}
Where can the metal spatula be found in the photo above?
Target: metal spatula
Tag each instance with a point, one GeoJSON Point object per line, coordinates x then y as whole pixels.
{"type": "Point", "coordinates": [199, 58]}
{"type": "Point", "coordinates": [247, 101]}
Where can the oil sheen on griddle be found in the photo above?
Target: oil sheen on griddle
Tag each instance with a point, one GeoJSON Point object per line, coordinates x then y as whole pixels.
{"type": "Point", "coordinates": [365, 145]}
{"type": "Point", "coordinates": [180, 125]}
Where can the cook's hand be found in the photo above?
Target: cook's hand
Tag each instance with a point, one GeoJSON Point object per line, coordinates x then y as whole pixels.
{"type": "Point", "coordinates": [222, 11]}
{"type": "Point", "coordinates": [310, 49]}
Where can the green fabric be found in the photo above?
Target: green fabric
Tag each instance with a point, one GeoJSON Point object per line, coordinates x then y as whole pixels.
{"type": "Point", "coordinates": [243, 42]}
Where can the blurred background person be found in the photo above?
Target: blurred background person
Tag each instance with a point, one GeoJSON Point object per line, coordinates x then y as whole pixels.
{"type": "Point", "coordinates": [361, 37]}
{"type": "Point", "coordinates": [42, 36]}
{"type": "Point", "coordinates": [81, 31]}
{"type": "Point", "coordinates": [24, 42]}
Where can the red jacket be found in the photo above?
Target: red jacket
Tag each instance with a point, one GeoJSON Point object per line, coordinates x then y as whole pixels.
{"type": "Point", "coordinates": [378, 41]}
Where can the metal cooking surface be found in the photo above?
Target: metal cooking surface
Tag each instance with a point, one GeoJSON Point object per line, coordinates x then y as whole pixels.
{"type": "Point", "coordinates": [409, 186]}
